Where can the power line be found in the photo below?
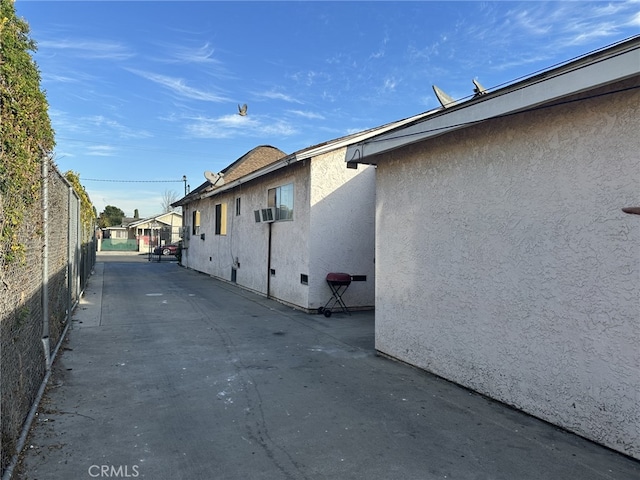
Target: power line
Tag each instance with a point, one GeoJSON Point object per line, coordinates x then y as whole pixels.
{"type": "Point", "coordinates": [130, 181]}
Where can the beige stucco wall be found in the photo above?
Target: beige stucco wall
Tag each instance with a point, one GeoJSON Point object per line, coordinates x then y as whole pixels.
{"type": "Point", "coordinates": [245, 246]}
{"type": "Point", "coordinates": [332, 230]}
{"type": "Point", "coordinates": [342, 229]}
{"type": "Point", "coordinates": [504, 262]}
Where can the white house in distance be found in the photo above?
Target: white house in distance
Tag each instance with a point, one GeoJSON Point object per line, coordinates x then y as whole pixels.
{"type": "Point", "coordinates": [504, 259]}
{"type": "Point", "coordinates": [136, 234]}
{"type": "Point", "coordinates": [323, 223]}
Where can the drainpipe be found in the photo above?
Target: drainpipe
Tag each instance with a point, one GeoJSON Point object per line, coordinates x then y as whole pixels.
{"type": "Point", "coordinates": [45, 262]}
{"type": "Point", "coordinates": [269, 264]}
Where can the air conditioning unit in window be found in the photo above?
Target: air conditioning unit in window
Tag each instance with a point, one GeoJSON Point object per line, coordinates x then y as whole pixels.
{"type": "Point", "coordinates": [268, 214]}
{"type": "Point", "coordinates": [265, 215]}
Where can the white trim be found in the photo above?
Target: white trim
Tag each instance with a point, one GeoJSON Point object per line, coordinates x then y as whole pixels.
{"type": "Point", "coordinates": [611, 65]}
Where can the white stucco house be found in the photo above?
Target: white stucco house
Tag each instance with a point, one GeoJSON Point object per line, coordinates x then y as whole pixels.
{"type": "Point", "coordinates": [323, 216]}
{"type": "Point", "coordinates": [140, 234]}
{"type": "Point", "coordinates": [160, 229]}
{"type": "Point", "coordinates": [504, 259]}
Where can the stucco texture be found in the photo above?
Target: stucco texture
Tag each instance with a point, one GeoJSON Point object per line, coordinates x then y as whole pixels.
{"type": "Point", "coordinates": [332, 230]}
{"type": "Point", "coordinates": [505, 264]}
{"type": "Point", "coordinates": [342, 229]}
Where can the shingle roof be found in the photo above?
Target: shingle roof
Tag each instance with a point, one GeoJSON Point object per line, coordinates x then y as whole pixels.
{"type": "Point", "coordinates": [251, 161]}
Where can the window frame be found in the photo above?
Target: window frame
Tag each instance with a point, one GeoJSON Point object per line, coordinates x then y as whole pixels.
{"type": "Point", "coordinates": [275, 197]}
{"type": "Point", "coordinates": [221, 218]}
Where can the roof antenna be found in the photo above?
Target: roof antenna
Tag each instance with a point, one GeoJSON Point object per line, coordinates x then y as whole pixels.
{"type": "Point", "coordinates": [444, 99]}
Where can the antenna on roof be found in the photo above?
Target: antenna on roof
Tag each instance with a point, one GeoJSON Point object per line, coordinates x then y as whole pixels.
{"type": "Point", "coordinates": [214, 178]}
{"type": "Point", "coordinates": [478, 89]}
{"type": "Point", "coordinates": [444, 99]}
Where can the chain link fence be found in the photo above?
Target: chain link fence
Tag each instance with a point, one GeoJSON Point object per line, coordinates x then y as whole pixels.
{"type": "Point", "coordinates": [37, 296]}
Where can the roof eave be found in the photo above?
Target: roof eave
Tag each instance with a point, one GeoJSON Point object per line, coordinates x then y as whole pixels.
{"type": "Point", "coordinates": [587, 73]}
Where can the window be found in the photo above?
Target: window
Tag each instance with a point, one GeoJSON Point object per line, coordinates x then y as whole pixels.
{"type": "Point", "coordinates": [282, 199]}
{"type": "Point", "coordinates": [221, 219]}
{"type": "Point", "coordinates": [237, 206]}
{"type": "Point", "coordinates": [196, 222]}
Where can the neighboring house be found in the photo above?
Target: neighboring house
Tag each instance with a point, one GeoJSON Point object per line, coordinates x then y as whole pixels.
{"type": "Point", "coordinates": [135, 234]}
{"type": "Point", "coordinates": [324, 222]}
{"type": "Point", "coordinates": [504, 260]}
{"type": "Point", "coordinates": [161, 229]}
{"type": "Point", "coordinates": [121, 231]}
{"type": "Point", "coordinates": [117, 237]}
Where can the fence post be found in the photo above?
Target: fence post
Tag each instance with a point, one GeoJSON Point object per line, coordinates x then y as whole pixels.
{"type": "Point", "coordinates": [45, 261]}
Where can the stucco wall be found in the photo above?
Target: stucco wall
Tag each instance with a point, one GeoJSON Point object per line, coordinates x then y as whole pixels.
{"type": "Point", "coordinates": [342, 229]}
{"type": "Point", "coordinates": [290, 239]}
{"type": "Point", "coordinates": [245, 246]}
{"type": "Point", "coordinates": [504, 262]}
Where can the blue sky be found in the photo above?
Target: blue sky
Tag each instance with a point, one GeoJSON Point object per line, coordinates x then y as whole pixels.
{"type": "Point", "coordinates": [147, 91]}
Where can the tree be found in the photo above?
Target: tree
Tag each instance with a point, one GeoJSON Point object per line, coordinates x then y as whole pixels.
{"type": "Point", "coordinates": [26, 136]}
{"type": "Point", "coordinates": [168, 197]}
{"type": "Point", "coordinates": [110, 217]}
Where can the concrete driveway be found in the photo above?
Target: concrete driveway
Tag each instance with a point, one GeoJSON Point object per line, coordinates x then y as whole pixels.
{"type": "Point", "coordinates": [170, 374]}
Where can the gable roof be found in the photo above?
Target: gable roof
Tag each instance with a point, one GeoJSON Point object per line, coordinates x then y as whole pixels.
{"type": "Point", "coordinates": [158, 218]}
{"type": "Point", "coordinates": [251, 161]}
{"type": "Point", "coordinates": [598, 68]}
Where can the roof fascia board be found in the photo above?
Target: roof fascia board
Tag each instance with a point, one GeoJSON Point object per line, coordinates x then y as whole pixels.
{"type": "Point", "coordinates": [352, 139]}
{"type": "Point", "coordinates": [534, 92]}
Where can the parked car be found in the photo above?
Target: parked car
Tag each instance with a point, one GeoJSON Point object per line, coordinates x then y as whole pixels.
{"type": "Point", "coordinates": [171, 249]}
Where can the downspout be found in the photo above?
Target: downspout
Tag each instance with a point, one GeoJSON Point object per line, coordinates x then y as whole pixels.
{"type": "Point", "coordinates": [269, 264]}
{"type": "Point", "coordinates": [45, 262]}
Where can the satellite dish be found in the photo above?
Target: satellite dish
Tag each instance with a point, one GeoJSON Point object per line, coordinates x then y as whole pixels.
{"type": "Point", "coordinates": [479, 89]}
{"type": "Point", "coordinates": [214, 178]}
{"type": "Point", "coordinates": [444, 99]}
{"type": "Point", "coordinates": [242, 110]}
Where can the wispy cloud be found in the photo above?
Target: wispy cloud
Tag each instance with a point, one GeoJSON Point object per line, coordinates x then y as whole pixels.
{"type": "Point", "coordinates": [389, 84]}
{"type": "Point", "coordinates": [309, 115]}
{"type": "Point", "coordinates": [561, 26]}
{"type": "Point", "coordinates": [202, 55]}
{"type": "Point", "coordinates": [229, 126]}
{"type": "Point", "coordinates": [99, 151]}
{"type": "Point", "coordinates": [88, 49]}
{"type": "Point", "coordinates": [382, 50]}
{"type": "Point", "coordinates": [179, 87]}
{"type": "Point", "coordinates": [311, 77]}
{"type": "Point", "coordinates": [273, 95]}
{"type": "Point", "coordinates": [113, 128]}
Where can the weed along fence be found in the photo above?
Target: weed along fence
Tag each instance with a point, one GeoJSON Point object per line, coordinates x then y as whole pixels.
{"type": "Point", "coordinates": [38, 292]}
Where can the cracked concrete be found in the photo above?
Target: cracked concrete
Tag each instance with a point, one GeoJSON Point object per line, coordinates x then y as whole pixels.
{"type": "Point", "coordinates": [170, 374]}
